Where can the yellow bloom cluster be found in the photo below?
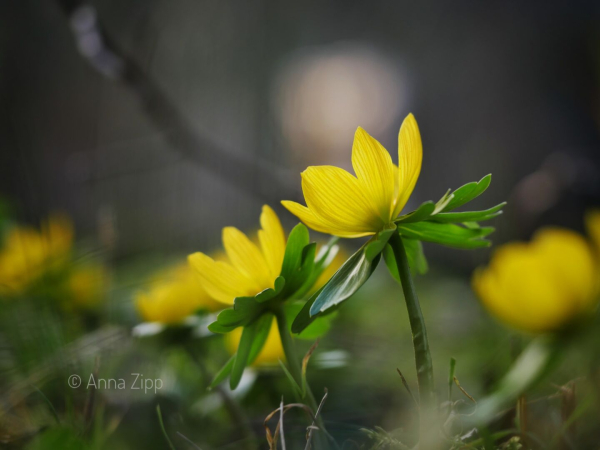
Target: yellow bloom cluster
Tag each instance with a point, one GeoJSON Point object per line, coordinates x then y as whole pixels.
{"type": "Point", "coordinates": [544, 285]}
{"type": "Point", "coordinates": [28, 253]}
{"type": "Point", "coordinates": [173, 295]}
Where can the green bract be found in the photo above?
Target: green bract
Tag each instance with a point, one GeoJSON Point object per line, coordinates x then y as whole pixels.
{"type": "Point", "coordinates": [299, 272]}
{"type": "Point", "coordinates": [430, 222]}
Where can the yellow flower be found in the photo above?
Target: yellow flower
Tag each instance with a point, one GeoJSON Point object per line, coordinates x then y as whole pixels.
{"type": "Point", "coordinates": [541, 286]}
{"type": "Point", "coordinates": [249, 268]}
{"type": "Point", "coordinates": [86, 285]}
{"type": "Point", "coordinates": [173, 295]}
{"type": "Point", "coordinates": [271, 353]}
{"type": "Point", "coordinates": [344, 205]}
{"type": "Point", "coordinates": [28, 253]}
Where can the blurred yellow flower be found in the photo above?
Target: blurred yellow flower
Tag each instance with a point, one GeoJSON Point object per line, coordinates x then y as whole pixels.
{"type": "Point", "coordinates": [250, 268]}
{"type": "Point", "coordinates": [271, 353]}
{"type": "Point", "coordinates": [29, 253]}
{"type": "Point", "coordinates": [86, 286]}
{"type": "Point", "coordinates": [544, 285]}
{"type": "Point", "coordinates": [173, 295]}
{"type": "Point", "coordinates": [344, 205]}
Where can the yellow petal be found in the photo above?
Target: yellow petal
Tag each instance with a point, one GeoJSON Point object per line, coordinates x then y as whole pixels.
{"type": "Point", "coordinates": [570, 262]}
{"type": "Point", "coordinates": [247, 258]}
{"type": "Point", "coordinates": [518, 290]}
{"type": "Point", "coordinates": [375, 172]}
{"type": "Point", "coordinates": [272, 240]}
{"type": "Point", "coordinates": [312, 221]}
{"type": "Point", "coordinates": [335, 197]}
{"type": "Point", "coordinates": [410, 156]}
{"type": "Point", "coordinates": [540, 286]}
{"type": "Point", "coordinates": [220, 279]}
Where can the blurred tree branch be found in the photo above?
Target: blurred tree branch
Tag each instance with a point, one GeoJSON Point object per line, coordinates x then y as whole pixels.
{"type": "Point", "coordinates": [259, 178]}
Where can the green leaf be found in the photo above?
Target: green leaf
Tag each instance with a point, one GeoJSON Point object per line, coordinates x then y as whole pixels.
{"type": "Point", "coordinates": [421, 213]}
{"type": "Point", "coordinates": [306, 269]}
{"type": "Point", "coordinates": [304, 319]}
{"type": "Point", "coordinates": [270, 293]}
{"type": "Point", "coordinates": [292, 260]}
{"type": "Point", "coordinates": [317, 328]}
{"type": "Point", "coordinates": [416, 257]}
{"type": "Point", "coordinates": [243, 352]}
{"type": "Point", "coordinates": [345, 282]}
{"type": "Point", "coordinates": [325, 256]}
{"type": "Point", "coordinates": [263, 326]}
{"type": "Point", "coordinates": [223, 373]}
{"type": "Point", "coordinates": [326, 253]}
{"type": "Point", "coordinates": [61, 437]}
{"type": "Point", "coordinates": [443, 202]}
{"type": "Point", "coordinates": [390, 262]}
{"type": "Point", "coordinates": [244, 311]}
{"type": "Point", "coordinates": [447, 234]}
{"type": "Point", "coordinates": [290, 378]}
{"type": "Point", "coordinates": [470, 216]}
{"type": "Point", "coordinates": [377, 243]}
{"type": "Point", "coordinates": [468, 192]}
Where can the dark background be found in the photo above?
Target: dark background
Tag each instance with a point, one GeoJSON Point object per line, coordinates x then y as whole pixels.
{"type": "Point", "coordinates": [504, 87]}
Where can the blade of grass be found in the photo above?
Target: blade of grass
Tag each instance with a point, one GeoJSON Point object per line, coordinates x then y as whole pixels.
{"type": "Point", "coordinates": [162, 427]}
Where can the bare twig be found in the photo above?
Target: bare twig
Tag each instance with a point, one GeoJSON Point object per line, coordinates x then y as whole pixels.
{"type": "Point", "coordinates": [407, 388]}
{"type": "Point", "coordinates": [281, 424]}
{"type": "Point", "coordinates": [107, 58]}
{"type": "Point", "coordinates": [272, 437]}
{"type": "Point", "coordinates": [463, 391]}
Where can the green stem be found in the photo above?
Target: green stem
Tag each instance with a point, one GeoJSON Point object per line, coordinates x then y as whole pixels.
{"type": "Point", "coordinates": [423, 361]}
{"type": "Point", "coordinates": [293, 363]}
{"type": "Point", "coordinates": [232, 407]}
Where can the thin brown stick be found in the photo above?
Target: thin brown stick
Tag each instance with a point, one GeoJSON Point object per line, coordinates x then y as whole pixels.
{"type": "Point", "coordinates": [407, 388]}
{"type": "Point", "coordinates": [466, 394]}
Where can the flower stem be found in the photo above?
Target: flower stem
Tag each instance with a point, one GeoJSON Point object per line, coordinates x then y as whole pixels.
{"type": "Point", "coordinates": [423, 361]}
{"type": "Point", "coordinates": [295, 369]}
{"type": "Point", "coordinates": [232, 407]}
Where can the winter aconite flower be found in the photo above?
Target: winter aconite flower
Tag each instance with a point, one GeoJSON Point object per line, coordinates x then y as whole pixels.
{"type": "Point", "coordinates": [544, 285]}
{"type": "Point", "coordinates": [249, 268]}
{"type": "Point", "coordinates": [345, 205]}
{"type": "Point", "coordinates": [29, 253]}
{"type": "Point", "coordinates": [261, 282]}
{"type": "Point", "coordinates": [173, 295]}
